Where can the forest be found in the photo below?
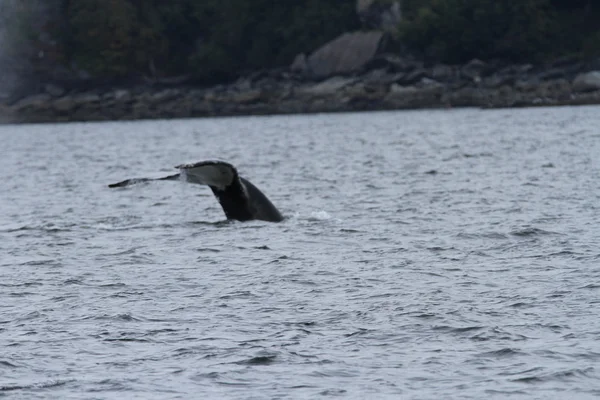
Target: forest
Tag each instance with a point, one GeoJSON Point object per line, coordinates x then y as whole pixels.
{"type": "Point", "coordinates": [214, 41]}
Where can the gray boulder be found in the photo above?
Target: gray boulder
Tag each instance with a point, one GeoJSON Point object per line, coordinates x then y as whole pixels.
{"type": "Point", "coordinates": [346, 54]}
{"type": "Point", "coordinates": [35, 101]}
{"type": "Point", "coordinates": [474, 69]}
{"type": "Point", "coordinates": [299, 64]}
{"type": "Point", "coordinates": [587, 82]}
{"type": "Point", "coordinates": [326, 88]}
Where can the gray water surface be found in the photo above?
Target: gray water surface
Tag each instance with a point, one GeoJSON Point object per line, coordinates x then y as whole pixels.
{"type": "Point", "coordinates": [425, 255]}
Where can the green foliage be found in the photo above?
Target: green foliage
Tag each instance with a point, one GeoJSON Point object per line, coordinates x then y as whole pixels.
{"type": "Point", "coordinates": [218, 40]}
{"type": "Point", "coordinates": [111, 38]}
{"type": "Point", "coordinates": [458, 30]}
{"type": "Point", "coordinates": [210, 39]}
{"type": "Point", "coordinates": [526, 30]}
{"type": "Point", "coordinates": [258, 34]}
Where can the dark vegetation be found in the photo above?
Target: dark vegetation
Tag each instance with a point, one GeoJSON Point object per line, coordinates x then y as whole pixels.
{"type": "Point", "coordinates": [456, 31]}
{"type": "Point", "coordinates": [213, 41]}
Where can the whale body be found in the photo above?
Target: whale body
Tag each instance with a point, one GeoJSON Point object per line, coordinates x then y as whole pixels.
{"type": "Point", "coordinates": [239, 198]}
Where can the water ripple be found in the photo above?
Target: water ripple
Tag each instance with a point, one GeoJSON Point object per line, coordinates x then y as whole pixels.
{"type": "Point", "coordinates": [430, 254]}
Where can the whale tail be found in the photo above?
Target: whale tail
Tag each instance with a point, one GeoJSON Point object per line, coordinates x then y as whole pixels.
{"type": "Point", "coordinates": [133, 181]}
{"type": "Point", "coordinates": [217, 174]}
{"type": "Point", "coordinates": [239, 198]}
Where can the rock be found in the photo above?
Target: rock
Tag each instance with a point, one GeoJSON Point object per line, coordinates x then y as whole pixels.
{"type": "Point", "coordinates": [516, 71]}
{"type": "Point", "coordinates": [443, 72]}
{"type": "Point", "coordinates": [497, 80]}
{"type": "Point", "coordinates": [413, 97]}
{"type": "Point", "coordinates": [474, 69]}
{"type": "Point", "coordinates": [122, 95]}
{"type": "Point", "coordinates": [380, 76]}
{"type": "Point", "coordinates": [86, 98]}
{"type": "Point", "coordinates": [246, 97]}
{"type": "Point", "coordinates": [40, 101]}
{"type": "Point", "coordinates": [384, 15]}
{"type": "Point", "coordinates": [554, 73]}
{"type": "Point", "coordinates": [347, 53]}
{"type": "Point", "coordinates": [326, 88]}
{"type": "Point", "coordinates": [564, 62]}
{"type": "Point", "coordinates": [587, 82]}
{"type": "Point", "coordinates": [392, 63]}
{"type": "Point", "coordinates": [300, 64]}
{"type": "Point", "coordinates": [430, 84]}
{"type": "Point", "coordinates": [64, 104]}
{"type": "Point", "coordinates": [559, 89]}
{"type": "Point", "coordinates": [165, 95]}
{"type": "Point", "coordinates": [414, 77]}
{"type": "Point", "coordinates": [527, 85]}
{"type": "Point", "coordinates": [396, 89]}
{"type": "Point", "coordinates": [54, 90]}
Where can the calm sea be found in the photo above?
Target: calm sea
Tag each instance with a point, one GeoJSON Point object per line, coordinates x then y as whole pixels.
{"type": "Point", "coordinates": [450, 254]}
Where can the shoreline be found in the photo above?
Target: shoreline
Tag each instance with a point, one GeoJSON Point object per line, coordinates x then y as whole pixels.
{"type": "Point", "coordinates": [388, 84]}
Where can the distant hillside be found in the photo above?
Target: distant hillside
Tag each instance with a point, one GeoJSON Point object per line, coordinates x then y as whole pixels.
{"type": "Point", "coordinates": [213, 41]}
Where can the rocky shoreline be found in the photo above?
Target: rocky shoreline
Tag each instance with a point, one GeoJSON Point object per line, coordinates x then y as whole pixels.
{"type": "Point", "coordinates": [387, 82]}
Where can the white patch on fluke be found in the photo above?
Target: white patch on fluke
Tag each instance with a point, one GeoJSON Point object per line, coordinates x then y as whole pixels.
{"type": "Point", "coordinates": [217, 175]}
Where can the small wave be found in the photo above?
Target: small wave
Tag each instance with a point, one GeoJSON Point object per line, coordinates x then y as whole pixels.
{"type": "Point", "coordinates": [521, 304]}
{"type": "Point", "coordinates": [244, 294]}
{"type": "Point", "coordinates": [452, 329]}
{"type": "Point", "coordinates": [45, 229]}
{"type": "Point", "coordinates": [30, 316]}
{"type": "Point", "coordinates": [41, 385]}
{"type": "Point", "coordinates": [207, 375]}
{"type": "Point", "coordinates": [591, 286]}
{"type": "Point", "coordinates": [265, 359]}
{"type": "Point", "coordinates": [477, 155]}
{"type": "Point", "coordinates": [25, 284]}
{"type": "Point", "coordinates": [207, 250]}
{"type": "Point", "coordinates": [15, 229]}
{"type": "Point", "coordinates": [560, 376]}
{"type": "Point", "coordinates": [73, 281]}
{"type": "Point", "coordinates": [484, 235]}
{"type": "Point", "coordinates": [218, 224]}
{"type": "Point", "coordinates": [278, 259]}
{"type": "Point", "coordinates": [116, 317]}
{"type": "Point", "coordinates": [127, 339]}
{"type": "Point", "coordinates": [359, 332]}
{"type": "Point", "coordinates": [159, 331]}
{"type": "Point", "coordinates": [502, 353]}
{"type": "Point", "coordinates": [7, 364]}
{"type": "Point", "coordinates": [496, 334]}
{"type": "Point", "coordinates": [123, 253]}
{"type": "Point", "coordinates": [112, 285]}
{"type": "Point", "coordinates": [530, 231]}
{"type": "Point", "coordinates": [350, 231]}
{"type": "Point", "coordinates": [333, 392]}
{"type": "Point", "coordinates": [40, 262]}
{"type": "Point", "coordinates": [125, 317]}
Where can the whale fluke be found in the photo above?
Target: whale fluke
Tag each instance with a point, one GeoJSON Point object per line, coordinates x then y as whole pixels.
{"type": "Point", "coordinates": [133, 181]}
{"type": "Point", "coordinates": [239, 198]}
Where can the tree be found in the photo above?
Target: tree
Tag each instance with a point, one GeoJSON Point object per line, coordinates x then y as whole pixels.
{"type": "Point", "coordinates": [110, 38]}
{"type": "Point", "coordinates": [459, 30]}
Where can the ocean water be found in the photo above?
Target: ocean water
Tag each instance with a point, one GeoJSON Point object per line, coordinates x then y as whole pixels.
{"type": "Point", "coordinates": [424, 255]}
